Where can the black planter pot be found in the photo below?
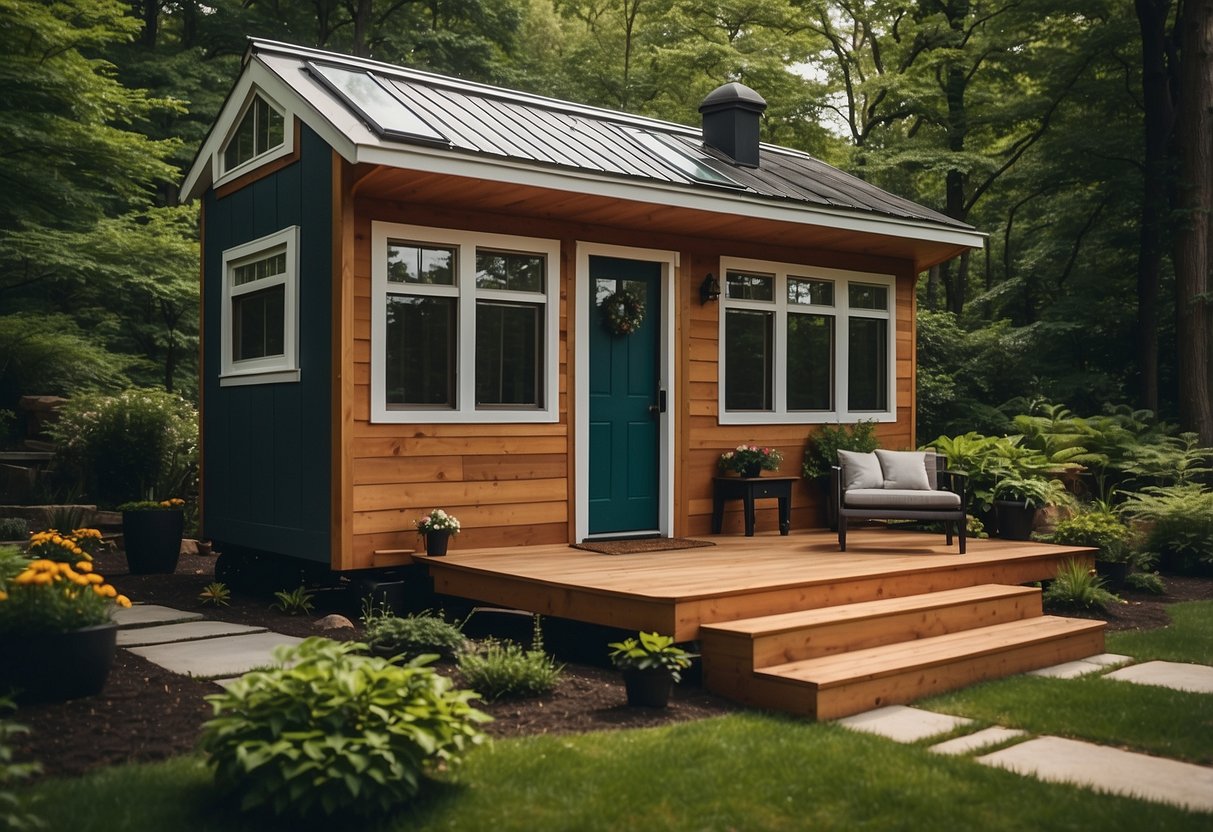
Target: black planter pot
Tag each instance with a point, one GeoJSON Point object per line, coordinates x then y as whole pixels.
{"type": "Point", "coordinates": [1015, 521]}
{"type": "Point", "coordinates": [648, 688]}
{"type": "Point", "coordinates": [55, 667]}
{"type": "Point", "coordinates": [152, 540]}
{"type": "Point", "coordinates": [752, 470]}
{"type": "Point", "coordinates": [436, 543]}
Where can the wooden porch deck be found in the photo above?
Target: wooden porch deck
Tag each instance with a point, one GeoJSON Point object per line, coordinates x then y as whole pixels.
{"type": "Point", "coordinates": [740, 577]}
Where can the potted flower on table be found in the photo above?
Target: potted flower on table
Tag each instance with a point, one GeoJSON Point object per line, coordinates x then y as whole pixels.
{"type": "Point", "coordinates": [57, 636]}
{"type": "Point", "coordinates": [751, 460]}
{"type": "Point", "coordinates": [651, 664]}
{"type": "Point", "coordinates": [151, 534]}
{"type": "Point", "coordinates": [437, 528]}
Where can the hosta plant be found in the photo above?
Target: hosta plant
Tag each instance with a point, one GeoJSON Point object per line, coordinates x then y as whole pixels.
{"type": "Point", "coordinates": [333, 731]}
{"type": "Point", "coordinates": [650, 650]}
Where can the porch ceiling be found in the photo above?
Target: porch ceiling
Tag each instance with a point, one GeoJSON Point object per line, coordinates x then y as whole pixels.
{"type": "Point", "coordinates": [694, 224]}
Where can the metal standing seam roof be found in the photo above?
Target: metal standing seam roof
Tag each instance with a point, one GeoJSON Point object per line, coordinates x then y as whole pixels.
{"type": "Point", "coordinates": [522, 127]}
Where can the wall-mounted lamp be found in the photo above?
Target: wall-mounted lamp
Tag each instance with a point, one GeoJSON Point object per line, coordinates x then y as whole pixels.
{"type": "Point", "coordinates": [709, 289]}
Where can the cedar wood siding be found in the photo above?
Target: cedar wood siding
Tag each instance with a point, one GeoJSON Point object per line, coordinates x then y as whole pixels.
{"type": "Point", "coordinates": [266, 477]}
{"type": "Point", "coordinates": [513, 484]}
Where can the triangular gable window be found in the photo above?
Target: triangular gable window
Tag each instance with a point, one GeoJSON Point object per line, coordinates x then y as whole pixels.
{"type": "Point", "coordinates": [261, 129]}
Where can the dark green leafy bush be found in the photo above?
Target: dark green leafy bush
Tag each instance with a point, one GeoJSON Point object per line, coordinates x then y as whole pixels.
{"type": "Point", "coordinates": [415, 635]}
{"type": "Point", "coordinates": [14, 528]}
{"type": "Point", "coordinates": [1101, 530]}
{"type": "Point", "coordinates": [15, 811]}
{"type": "Point", "coordinates": [822, 451]}
{"type": "Point", "coordinates": [1178, 523]}
{"type": "Point", "coordinates": [1077, 587]}
{"type": "Point", "coordinates": [332, 730]}
{"type": "Point", "coordinates": [1146, 582]}
{"type": "Point", "coordinates": [504, 670]}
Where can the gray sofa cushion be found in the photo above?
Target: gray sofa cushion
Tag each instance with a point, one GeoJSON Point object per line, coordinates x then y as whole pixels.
{"type": "Point", "coordinates": [900, 499]}
{"type": "Point", "coordinates": [905, 470]}
{"type": "Point", "coordinates": [860, 470]}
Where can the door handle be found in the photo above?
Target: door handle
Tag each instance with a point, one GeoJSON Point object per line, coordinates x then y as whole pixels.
{"type": "Point", "coordinates": [660, 406]}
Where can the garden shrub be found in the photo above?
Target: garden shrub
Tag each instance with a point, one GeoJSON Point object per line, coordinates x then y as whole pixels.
{"type": "Point", "coordinates": [125, 447]}
{"type": "Point", "coordinates": [1146, 582]}
{"type": "Point", "coordinates": [332, 730]}
{"type": "Point", "coordinates": [15, 811]}
{"type": "Point", "coordinates": [414, 635]}
{"type": "Point", "coordinates": [822, 452]}
{"type": "Point", "coordinates": [1178, 521]}
{"type": "Point", "coordinates": [1077, 587]}
{"type": "Point", "coordinates": [504, 670]}
{"type": "Point", "coordinates": [1100, 530]}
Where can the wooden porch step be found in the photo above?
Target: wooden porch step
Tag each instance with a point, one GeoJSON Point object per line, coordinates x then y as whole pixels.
{"type": "Point", "coordinates": [839, 685]}
{"type": "Point", "coordinates": [753, 643]}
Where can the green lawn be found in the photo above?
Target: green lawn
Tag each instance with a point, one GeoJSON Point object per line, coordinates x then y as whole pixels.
{"type": "Point", "coordinates": [747, 771]}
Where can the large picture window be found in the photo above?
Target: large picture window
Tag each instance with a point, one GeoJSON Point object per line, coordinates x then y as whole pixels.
{"type": "Point", "coordinates": [464, 327]}
{"type": "Point", "coordinates": [804, 345]}
{"type": "Point", "coordinates": [259, 314]}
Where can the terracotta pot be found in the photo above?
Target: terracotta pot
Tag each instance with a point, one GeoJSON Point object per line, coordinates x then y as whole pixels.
{"type": "Point", "coordinates": [436, 543]}
{"type": "Point", "coordinates": [648, 688]}
{"type": "Point", "coordinates": [55, 667]}
{"type": "Point", "coordinates": [152, 540]}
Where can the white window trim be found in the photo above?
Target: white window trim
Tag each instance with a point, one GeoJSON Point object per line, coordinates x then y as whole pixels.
{"type": "Point", "coordinates": [270, 369]}
{"type": "Point", "coordinates": [465, 288]}
{"type": "Point", "coordinates": [841, 311]}
{"type": "Point", "coordinates": [222, 176]}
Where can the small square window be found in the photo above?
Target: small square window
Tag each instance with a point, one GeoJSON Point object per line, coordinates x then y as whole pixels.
{"type": "Point", "coordinates": [746, 286]}
{"type": "Point", "coordinates": [512, 272]}
{"type": "Point", "coordinates": [866, 296]}
{"type": "Point", "coordinates": [429, 265]}
{"type": "Point", "coordinates": [809, 292]}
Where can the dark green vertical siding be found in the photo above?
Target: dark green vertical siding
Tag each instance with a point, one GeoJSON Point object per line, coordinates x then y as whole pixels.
{"type": "Point", "coordinates": [266, 446]}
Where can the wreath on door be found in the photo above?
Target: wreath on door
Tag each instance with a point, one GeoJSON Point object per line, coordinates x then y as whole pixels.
{"type": "Point", "coordinates": [623, 312]}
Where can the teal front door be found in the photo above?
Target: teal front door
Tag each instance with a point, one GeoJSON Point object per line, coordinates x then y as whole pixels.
{"type": "Point", "coordinates": [624, 401]}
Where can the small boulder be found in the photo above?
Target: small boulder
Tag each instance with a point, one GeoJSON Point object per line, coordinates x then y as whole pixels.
{"type": "Point", "coordinates": [334, 622]}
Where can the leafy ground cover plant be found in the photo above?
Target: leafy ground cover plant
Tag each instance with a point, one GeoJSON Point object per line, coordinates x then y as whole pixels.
{"type": "Point", "coordinates": [1077, 587]}
{"type": "Point", "coordinates": [1146, 582]}
{"type": "Point", "coordinates": [413, 635]}
{"type": "Point", "coordinates": [1178, 522]}
{"type": "Point", "coordinates": [13, 528]}
{"type": "Point", "coordinates": [1101, 530]}
{"type": "Point", "coordinates": [504, 670]}
{"type": "Point", "coordinates": [333, 731]}
{"type": "Point", "coordinates": [297, 601]}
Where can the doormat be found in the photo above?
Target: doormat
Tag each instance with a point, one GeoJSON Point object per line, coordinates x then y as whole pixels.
{"type": "Point", "coordinates": [639, 545]}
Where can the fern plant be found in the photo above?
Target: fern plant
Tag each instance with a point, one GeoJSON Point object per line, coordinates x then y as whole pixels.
{"type": "Point", "coordinates": [1077, 587]}
{"type": "Point", "coordinates": [297, 601]}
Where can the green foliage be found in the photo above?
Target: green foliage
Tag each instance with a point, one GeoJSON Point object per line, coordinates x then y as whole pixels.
{"type": "Point", "coordinates": [1077, 587]}
{"type": "Point", "coordinates": [215, 594]}
{"type": "Point", "coordinates": [1036, 492]}
{"type": "Point", "coordinates": [46, 596]}
{"type": "Point", "coordinates": [1146, 582]}
{"type": "Point", "coordinates": [504, 670]}
{"type": "Point", "coordinates": [16, 810]}
{"type": "Point", "coordinates": [1178, 521]}
{"type": "Point", "coordinates": [336, 732]}
{"type": "Point", "coordinates": [50, 354]}
{"type": "Point", "coordinates": [14, 528]}
{"type": "Point", "coordinates": [1170, 460]}
{"type": "Point", "coordinates": [66, 518]}
{"type": "Point", "coordinates": [125, 447]}
{"type": "Point", "coordinates": [1101, 530]}
{"type": "Point", "coordinates": [821, 454]}
{"type": "Point", "coordinates": [413, 635]}
{"type": "Point", "coordinates": [297, 601]}
{"type": "Point", "coordinates": [650, 650]}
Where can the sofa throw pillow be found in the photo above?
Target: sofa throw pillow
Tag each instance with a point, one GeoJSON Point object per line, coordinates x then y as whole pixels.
{"type": "Point", "coordinates": [860, 470]}
{"type": "Point", "coordinates": [904, 469]}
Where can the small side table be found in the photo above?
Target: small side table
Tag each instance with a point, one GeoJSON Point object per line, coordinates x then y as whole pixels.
{"type": "Point", "coordinates": [749, 489]}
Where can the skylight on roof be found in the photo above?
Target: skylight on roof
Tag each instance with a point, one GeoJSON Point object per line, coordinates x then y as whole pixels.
{"type": "Point", "coordinates": [679, 157]}
{"type": "Point", "coordinates": [371, 99]}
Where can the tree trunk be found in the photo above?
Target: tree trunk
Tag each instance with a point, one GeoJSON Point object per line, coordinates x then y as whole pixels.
{"type": "Point", "coordinates": [1193, 268]}
{"type": "Point", "coordinates": [1159, 119]}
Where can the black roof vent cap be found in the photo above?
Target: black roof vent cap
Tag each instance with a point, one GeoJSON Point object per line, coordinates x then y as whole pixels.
{"type": "Point", "coordinates": [730, 122]}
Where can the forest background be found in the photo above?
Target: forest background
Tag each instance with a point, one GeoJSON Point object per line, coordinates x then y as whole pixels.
{"type": "Point", "coordinates": [1077, 133]}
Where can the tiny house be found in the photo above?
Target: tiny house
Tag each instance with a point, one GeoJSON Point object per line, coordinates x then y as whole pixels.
{"type": "Point", "coordinates": [546, 318]}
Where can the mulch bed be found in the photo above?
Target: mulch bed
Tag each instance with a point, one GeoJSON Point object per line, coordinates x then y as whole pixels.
{"type": "Point", "coordinates": [146, 713]}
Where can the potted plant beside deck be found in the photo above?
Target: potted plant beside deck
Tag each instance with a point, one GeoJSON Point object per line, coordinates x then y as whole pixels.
{"type": "Point", "coordinates": [1104, 531]}
{"type": "Point", "coordinates": [651, 664]}
{"type": "Point", "coordinates": [151, 535]}
{"type": "Point", "coordinates": [1016, 501]}
{"type": "Point", "coordinates": [751, 460]}
{"type": "Point", "coordinates": [437, 528]}
{"type": "Point", "coordinates": [821, 455]}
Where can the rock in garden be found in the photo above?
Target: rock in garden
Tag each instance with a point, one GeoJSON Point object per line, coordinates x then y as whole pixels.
{"type": "Point", "coordinates": [334, 622]}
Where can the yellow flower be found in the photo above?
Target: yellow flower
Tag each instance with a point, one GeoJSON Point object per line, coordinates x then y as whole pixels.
{"type": "Point", "coordinates": [105, 590]}
{"type": "Point", "coordinates": [123, 601]}
{"type": "Point", "coordinates": [84, 566]}
{"type": "Point", "coordinates": [3, 595]}
{"type": "Point", "coordinates": [25, 578]}
{"type": "Point", "coordinates": [44, 578]}
{"type": "Point", "coordinates": [42, 565]}
{"type": "Point", "coordinates": [94, 578]}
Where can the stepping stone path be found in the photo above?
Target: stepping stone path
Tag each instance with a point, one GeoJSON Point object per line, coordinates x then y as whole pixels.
{"type": "Point", "coordinates": [1099, 767]}
{"type": "Point", "coordinates": [185, 643]}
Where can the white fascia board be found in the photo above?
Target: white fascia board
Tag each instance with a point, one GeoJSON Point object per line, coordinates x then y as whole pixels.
{"type": "Point", "coordinates": [587, 182]}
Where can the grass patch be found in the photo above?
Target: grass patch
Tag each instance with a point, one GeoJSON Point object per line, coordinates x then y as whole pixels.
{"type": "Point", "coordinates": [743, 771]}
{"type": "Point", "coordinates": [1188, 639]}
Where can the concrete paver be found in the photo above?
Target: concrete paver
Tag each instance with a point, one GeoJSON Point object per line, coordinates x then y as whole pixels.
{"type": "Point", "coordinates": [1080, 667]}
{"type": "Point", "coordinates": [904, 724]}
{"type": "Point", "coordinates": [216, 657]}
{"type": "Point", "coordinates": [1109, 769]}
{"type": "Point", "coordinates": [143, 615]}
{"type": "Point", "coordinates": [977, 740]}
{"type": "Point", "coordinates": [1196, 678]}
{"type": "Point", "coordinates": [187, 631]}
